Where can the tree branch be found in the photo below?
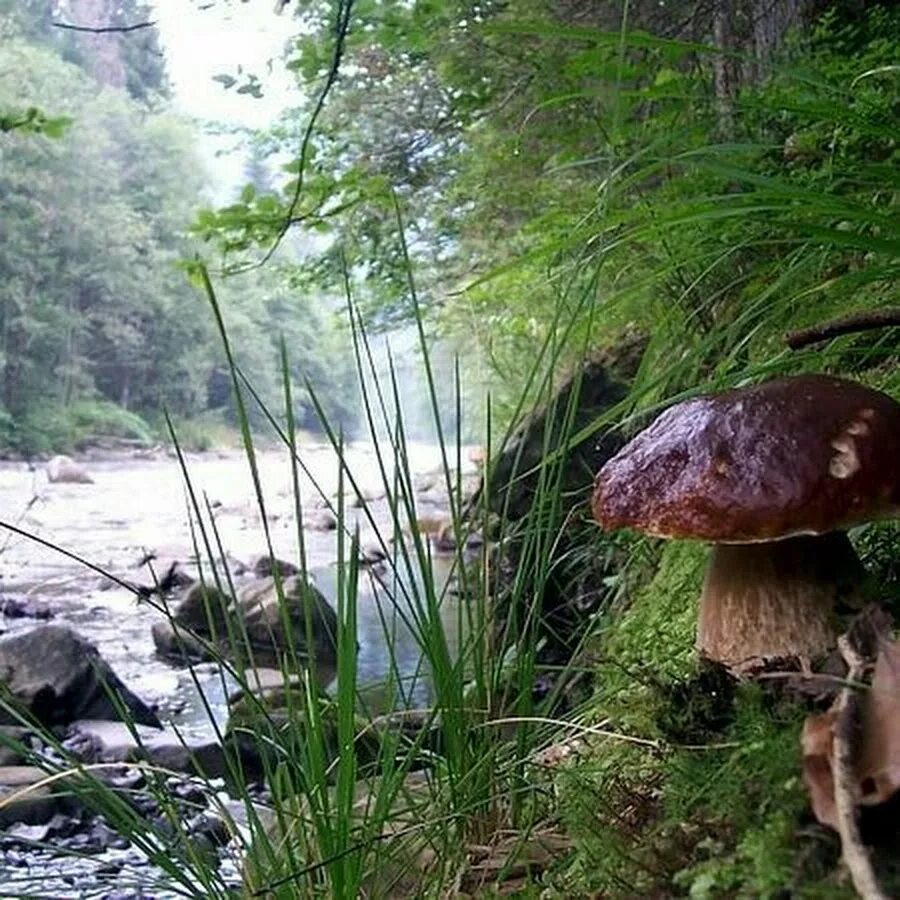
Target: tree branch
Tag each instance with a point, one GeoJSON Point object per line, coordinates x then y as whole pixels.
{"type": "Point", "coordinates": [846, 788]}
{"type": "Point", "coordinates": [882, 318]}
{"type": "Point", "coordinates": [104, 29]}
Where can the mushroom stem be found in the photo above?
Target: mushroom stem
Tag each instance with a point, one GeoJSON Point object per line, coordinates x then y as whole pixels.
{"type": "Point", "coordinates": [774, 599]}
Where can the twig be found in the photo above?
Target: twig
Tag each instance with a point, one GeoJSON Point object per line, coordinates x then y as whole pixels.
{"type": "Point", "coordinates": [846, 789]}
{"type": "Point", "coordinates": [342, 24]}
{"type": "Point", "coordinates": [104, 29]}
{"type": "Point", "coordinates": [882, 318]}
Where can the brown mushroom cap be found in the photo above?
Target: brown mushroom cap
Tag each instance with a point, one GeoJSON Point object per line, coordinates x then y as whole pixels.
{"type": "Point", "coordinates": [807, 454]}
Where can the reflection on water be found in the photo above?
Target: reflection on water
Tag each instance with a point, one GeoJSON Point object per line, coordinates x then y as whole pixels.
{"type": "Point", "coordinates": [385, 622]}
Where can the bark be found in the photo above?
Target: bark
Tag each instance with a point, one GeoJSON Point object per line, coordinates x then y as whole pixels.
{"type": "Point", "coordinates": [724, 74]}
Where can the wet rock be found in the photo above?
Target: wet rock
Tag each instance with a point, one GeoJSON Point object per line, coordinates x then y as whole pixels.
{"type": "Point", "coordinates": [63, 469]}
{"type": "Point", "coordinates": [25, 800]}
{"type": "Point", "coordinates": [320, 520]}
{"type": "Point", "coordinates": [205, 616]}
{"type": "Point", "coordinates": [263, 682]}
{"type": "Point", "coordinates": [267, 566]}
{"type": "Point", "coordinates": [12, 744]}
{"type": "Point", "coordinates": [264, 619]}
{"type": "Point", "coordinates": [266, 726]}
{"type": "Point", "coordinates": [210, 826]}
{"type": "Point", "coordinates": [432, 525]}
{"type": "Point", "coordinates": [25, 608]}
{"type": "Point", "coordinates": [426, 481]}
{"type": "Point", "coordinates": [98, 741]}
{"type": "Point", "coordinates": [58, 677]}
{"type": "Point", "coordinates": [372, 555]}
{"type": "Point", "coordinates": [177, 643]}
{"type": "Point", "coordinates": [363, 497]}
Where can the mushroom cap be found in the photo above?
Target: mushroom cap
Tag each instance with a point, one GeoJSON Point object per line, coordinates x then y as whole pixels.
{"type": "Point", "coordinates": [806, 454]}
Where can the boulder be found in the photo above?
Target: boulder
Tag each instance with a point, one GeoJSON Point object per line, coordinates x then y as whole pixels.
{"type": "Point", "coordinates": [64, 469]}
{"type": "Point", "coordinates": [57, 676]}
{"type": "Point", "coordinates": [266, 623]}
{"type": "Point", "coordinates": [207, 623]}
{"type": "Point", "coordinates": [98, 741]}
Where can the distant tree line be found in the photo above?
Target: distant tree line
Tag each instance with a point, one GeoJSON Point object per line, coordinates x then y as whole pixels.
{"type": "Point", "coordinates": [100, 330]}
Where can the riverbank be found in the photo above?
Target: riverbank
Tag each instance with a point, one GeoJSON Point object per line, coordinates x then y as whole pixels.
{"type": "Point", "coordinates": [132, 521]}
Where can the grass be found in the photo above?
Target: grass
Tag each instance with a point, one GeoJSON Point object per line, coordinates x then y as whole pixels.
{"type": "Point", "coordinates": [357, 807]}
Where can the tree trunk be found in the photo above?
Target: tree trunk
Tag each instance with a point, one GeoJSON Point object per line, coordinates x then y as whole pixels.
{"type": "Point", "coordinates": [724, 75]}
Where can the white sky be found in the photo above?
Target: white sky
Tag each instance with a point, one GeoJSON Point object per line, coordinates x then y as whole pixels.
{"type": "Point", "coordinates": [201, 43]}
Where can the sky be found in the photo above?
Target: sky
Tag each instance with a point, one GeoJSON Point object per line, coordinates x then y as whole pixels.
{"type": "Point", "coordinates": [202, 39]}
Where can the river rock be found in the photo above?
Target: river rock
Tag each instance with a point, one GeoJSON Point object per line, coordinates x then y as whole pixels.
{"type": "Point", "coordinates": [268, 725]}
{"type": "Point", "coordinates": [267, 566]}
{"type": "Point", "coordinates": [205, 617]}
{"type": "Point", "coordinates": [64, 469]}
{"type": "Point", "coordinates": [24, 799]}
{"type": "Point", "coordinates": [265, 621]}
{"type": "Point", "coordinates": [102, 741]}
{"type": "Point", "coordinates": [13, 744]}
{"type": "Point", "coordinates": [25, 608]}
{"type": "Point", "coordinates": [58, 677]}
{"type": "Point", "coordinates": [320, 520]}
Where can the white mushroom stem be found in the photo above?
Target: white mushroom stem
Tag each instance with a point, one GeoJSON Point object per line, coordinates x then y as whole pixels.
{"type": "Point", "coordinates": [775, 599]}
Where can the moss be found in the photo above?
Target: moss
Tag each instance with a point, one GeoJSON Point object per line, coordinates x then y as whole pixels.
{"type": "Point", "coordinates": [649, 645]}
{"type": "Point", "coordinates": [878, 546]}
{"type": "Point", "coordinates": [713, 804]}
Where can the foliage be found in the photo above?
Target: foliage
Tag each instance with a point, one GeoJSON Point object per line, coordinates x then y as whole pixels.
{"type": "Point", "coordinates": [538, 183]}
{"type": "Point", "coordinates": [93, 304]}
{"type": "Point", "coordinates": [547, 161]}
{"type": "Point", "coordinates": [34, 121]}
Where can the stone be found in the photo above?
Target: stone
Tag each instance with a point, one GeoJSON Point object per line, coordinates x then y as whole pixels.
{"type": "Point", "coordinates": [366, 496]}
{"type": "Point", "coordinates": [265, 726]}
{"type": "Point", "coordinates": [178, 644]}
{"type": "Point", "coordinates": [24, 799]}
{"type": "Point", "coordinates": [12, 740]}
{"type": "Point", "coordinates": [103, 741]}
{"type": "Point", "coordinates": [267, 566]}
{"type": "Point", "coordinates": [372, 555]}
{"type": "Point", "coordinates": [211, 826]}
{"type": "Point", "coordinates": [64, 469]}
{"type": "Point", "coordinates": [59, 676]}
{"type": "Point", "coordinates": [207, 622]}
{"type": "Point", "coordinates": [25, 608]}
{"type": "Point", "coordinates": [264, 620]}
{"type": "Point", "coordinates": [320, 520]}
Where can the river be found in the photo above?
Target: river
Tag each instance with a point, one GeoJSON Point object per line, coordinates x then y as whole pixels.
{"type": "Point", "coordinates": [138, 505]}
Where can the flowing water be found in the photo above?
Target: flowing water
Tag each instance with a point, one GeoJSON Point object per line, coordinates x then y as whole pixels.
{"type": "Point", "coordinates": [139, 505]}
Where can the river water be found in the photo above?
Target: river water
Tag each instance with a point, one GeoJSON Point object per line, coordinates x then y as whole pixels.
{"type": "Point", "coordinates": [138, 505]}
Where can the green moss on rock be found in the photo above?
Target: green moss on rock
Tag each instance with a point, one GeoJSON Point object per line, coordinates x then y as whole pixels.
{"type": "Point", "coordinates": [650, 643]}
{"type": "Point", "coordinates": [702, 795]}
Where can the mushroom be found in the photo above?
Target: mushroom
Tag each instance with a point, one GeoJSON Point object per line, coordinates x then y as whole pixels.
{"type": "Point", "coordinates": [772, 475]}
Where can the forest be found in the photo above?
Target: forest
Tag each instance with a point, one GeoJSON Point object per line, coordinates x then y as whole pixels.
{"type": "Point", "coordinates": [95, 167]}
{"type": "Point", "coordinates": [576, 250]}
